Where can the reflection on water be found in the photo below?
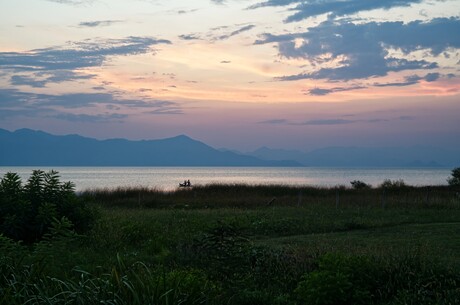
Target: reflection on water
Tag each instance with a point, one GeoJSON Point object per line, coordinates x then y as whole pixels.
{"type": "Point", "coordinates": [168, 178]}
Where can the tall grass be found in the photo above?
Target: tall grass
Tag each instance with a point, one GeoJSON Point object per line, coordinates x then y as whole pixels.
{"type": "Point", "coordinates": [253, 196]}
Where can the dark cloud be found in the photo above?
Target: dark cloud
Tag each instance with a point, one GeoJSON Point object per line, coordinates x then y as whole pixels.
{"type": "Point", "coordinates": [361, 51]}
{"type": "Point", "coordinates": [326, 122]}
{"type": "Point", "coordinates": [89, 118]}
{"type": "Point", "coordinates": [323, 91]}
{"type": "Point", "coordinates": [17, 103]}
{"type": "Point", "coordinates": [411, 80]}
{"type": "Point", "coordinates": [24, 80]}
{"type": "Point", "coordinates": [181, 12]}
{"type": "Point", "coordinates": [305, 9]}
{"type": "Point", "coordinates": [78, 55]}
{"type": "Point", "coordinates": [274, 121]}
{"type": "Point", "coordinates": [334, 121]}
{"type": "Point", "coordinates": [93, 24]}
{"type": "Point", "coordinates": [40, 79]}
{"type": "Point", "coordinates": [166, 111]}
{"type": "Point", "coordinates": [431, 77]}
{"type": "Point", "coordinates": [189, 37]}
{"type": "Point", "coordinates": [58, 64]}
{"type": "Point", "coordinates": [219, 2]}
{"type": "Point", "coordinates": [236, 32]}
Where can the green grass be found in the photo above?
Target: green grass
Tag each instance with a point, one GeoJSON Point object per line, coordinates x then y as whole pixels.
{"type": "Point", "coordinates": [234, 244]}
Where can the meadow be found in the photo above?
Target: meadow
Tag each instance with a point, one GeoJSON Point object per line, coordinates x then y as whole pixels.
{"type": "Point", "coordinates": [246, 244]}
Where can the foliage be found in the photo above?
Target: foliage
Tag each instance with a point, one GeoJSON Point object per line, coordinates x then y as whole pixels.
{"type": "Point", "coordinates": [26, 212]}
{"type": "Point", "coordinates": [393, 184]}
{"type": "Point", "coordinates": [455, 179]}
{"type": "Point", "coordinates": [339, 279]}
{"type": "Point", "coordinates": [359, 185]}
{"type": "Point", "coordinates": [198, 248]}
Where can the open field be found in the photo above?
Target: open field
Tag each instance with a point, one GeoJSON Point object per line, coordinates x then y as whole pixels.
{"type": "Point", "coordinates": [239, 244]}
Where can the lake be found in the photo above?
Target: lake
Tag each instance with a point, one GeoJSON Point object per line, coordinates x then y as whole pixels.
{"type": "Point", "coordinates": [168, 178]}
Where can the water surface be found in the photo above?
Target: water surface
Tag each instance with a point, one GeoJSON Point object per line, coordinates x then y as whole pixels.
{"type": "Point", "coordinates": [168, 178]}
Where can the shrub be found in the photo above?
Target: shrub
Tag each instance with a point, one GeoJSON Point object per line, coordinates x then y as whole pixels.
{"type": "Point", "coordinates": [26, 212]}
{"type": "Point", "coordinates": [393, 184]}
{"type": "Point", "coordinates": [359, 185]}
{"type": "Point", "coordinates": [455, 179]}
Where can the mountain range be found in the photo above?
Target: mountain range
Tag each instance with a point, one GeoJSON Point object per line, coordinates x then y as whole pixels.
{"type": "Point", "coordinates": [415, 156]}
{"type": "Point", "coordinates": [26, 147]}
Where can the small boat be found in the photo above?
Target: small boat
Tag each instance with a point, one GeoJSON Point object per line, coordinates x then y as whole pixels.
{"type": "Point", "coordinates": [185, 184]}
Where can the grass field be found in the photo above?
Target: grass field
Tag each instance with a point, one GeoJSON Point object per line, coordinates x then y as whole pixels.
{"type": "Point", "coordinates": [240, 244]}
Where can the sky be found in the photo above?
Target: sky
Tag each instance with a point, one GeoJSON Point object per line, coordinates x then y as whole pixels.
{"type": "Point", "coordinates": [240, 74]}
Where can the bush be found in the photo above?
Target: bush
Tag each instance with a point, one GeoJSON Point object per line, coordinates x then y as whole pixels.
{"type": "Point", "coordinates": [27, 212]}
{"type": "Point", "coordinates": [359, 185]}
{"type": "Point", "coordinates": [393, 184]}
{"type": "Point", "coordinates": [455, 179]}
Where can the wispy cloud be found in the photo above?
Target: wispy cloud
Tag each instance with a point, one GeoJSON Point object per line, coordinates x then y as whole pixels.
{"type": "Point", "coordinates": [15, 103]}
{"type": "Point", "coordinates": [219, 33]}
{"type": "Point", "coordinates": [93, 24]}
{"type": "Point", "coordinates": [58, 64]}
{"type": "Point", "coordinates": [326, 122]}
{"type": "Point", "coordinates": [189, 37]}
{"type": "Point", "coordinates": [237, 32]}
{"type": "Point", "coordinates": [326, 91]}
{"type": "Point", "coordinates": [73, 2]}
{"type": "Point", "coordinates": [274, 121]}
{"type": "Point", "coordinates": [90, 118]}
{"type": "Point", "coordinates": [411, 80]}
{"type": "Point", "coordinates": [306, 9]}
{"type": "Point", "coordinates": [333, 121]}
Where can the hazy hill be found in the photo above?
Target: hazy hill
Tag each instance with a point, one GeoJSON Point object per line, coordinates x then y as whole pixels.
{"type": "Point", "coordinates": [27, 147]}
{"type": "Point", "coordinates": [417, 156]}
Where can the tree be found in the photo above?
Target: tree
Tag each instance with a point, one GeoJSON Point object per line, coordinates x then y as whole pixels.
{"type": "Point", "coordinates": [455, 179]}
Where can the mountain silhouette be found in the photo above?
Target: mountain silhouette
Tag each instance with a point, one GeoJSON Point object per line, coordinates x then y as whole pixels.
{"type": "Point", "coordinates": [415, 156]}
{"type": "Point", "coordinates": [26, 147]}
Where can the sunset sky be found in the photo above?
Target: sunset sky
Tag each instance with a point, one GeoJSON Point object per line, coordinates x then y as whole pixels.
{"type": "Point", "coordinates": [239, 74]}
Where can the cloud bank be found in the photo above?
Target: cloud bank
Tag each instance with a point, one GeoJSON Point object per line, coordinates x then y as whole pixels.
{"type": "Point", "coordinates": [342, 50]}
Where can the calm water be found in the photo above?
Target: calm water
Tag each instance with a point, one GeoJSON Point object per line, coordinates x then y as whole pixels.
{"type": "Point", "coordinates": [167, 178]}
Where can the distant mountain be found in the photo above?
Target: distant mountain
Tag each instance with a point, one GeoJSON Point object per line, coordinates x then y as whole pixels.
{"type": "Point", "coordinates": [25, 147]}
{"type": "Point", "coordinates": [417, 156]}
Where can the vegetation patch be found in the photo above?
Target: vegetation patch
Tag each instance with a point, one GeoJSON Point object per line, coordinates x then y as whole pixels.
{"type": "Point", "coordinates": [229, 244]}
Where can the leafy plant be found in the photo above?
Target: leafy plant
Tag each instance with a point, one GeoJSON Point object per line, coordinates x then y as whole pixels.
{"type": "Point", "coordinates": [393, 184]}
{"type": "Point", "coordinates": [359, 185]}
{"type": "Point", "coordinates": [26, 212]}
{"type": "Point", "coordinates": [455, 179]}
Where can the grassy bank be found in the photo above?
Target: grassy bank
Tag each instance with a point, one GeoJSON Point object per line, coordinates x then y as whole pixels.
{"type": "Point", "coordinates": [240, 244]}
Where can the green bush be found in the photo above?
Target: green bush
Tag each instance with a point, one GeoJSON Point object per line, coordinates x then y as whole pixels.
{"type": "Point", "coordinates": [455, 179]}
{"type": "Point", "coordinates": [393, 184]}
{"type": "Point", "coordinates": [359, 185]}
{"type": "Point", "coordinates": [26, 212]}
